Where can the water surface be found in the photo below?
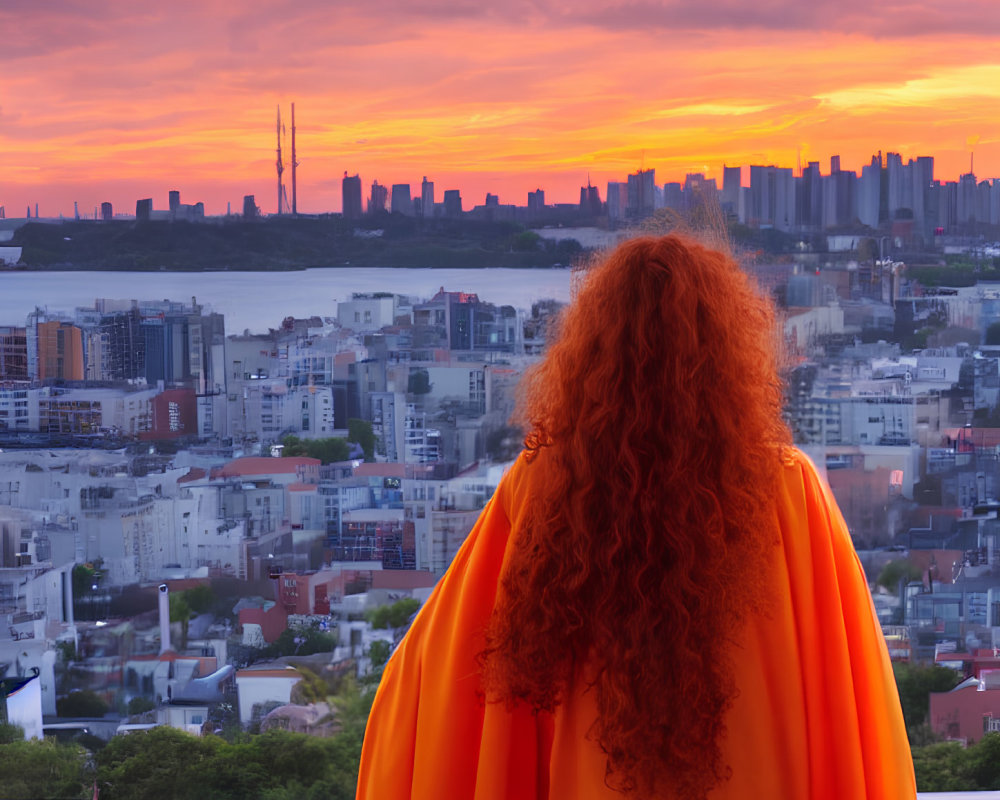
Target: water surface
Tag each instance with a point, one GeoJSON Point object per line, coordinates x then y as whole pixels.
{"type": "Point", "coordinates": [256, 301]}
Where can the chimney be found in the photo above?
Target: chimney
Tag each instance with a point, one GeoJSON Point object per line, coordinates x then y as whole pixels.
{"type": "Point", "coordinates": [164, 618]}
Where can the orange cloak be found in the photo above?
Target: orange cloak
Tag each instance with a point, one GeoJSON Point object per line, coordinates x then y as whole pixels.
{"type": "Point", "coordinates": [817, 714]}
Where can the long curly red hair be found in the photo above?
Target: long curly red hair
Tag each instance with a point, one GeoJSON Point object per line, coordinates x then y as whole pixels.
{"type": "Point", "coordinates": [656, 421]}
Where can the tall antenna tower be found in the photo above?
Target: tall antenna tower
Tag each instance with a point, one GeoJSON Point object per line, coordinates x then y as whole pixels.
{"type": "Point", "coordinates": [295, 163]}
{"type": "Point", "coordinates": [280, 164]}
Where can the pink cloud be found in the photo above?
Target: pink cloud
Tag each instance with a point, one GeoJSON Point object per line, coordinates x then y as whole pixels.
{"type": "Point", "coordinates": [97, 97]}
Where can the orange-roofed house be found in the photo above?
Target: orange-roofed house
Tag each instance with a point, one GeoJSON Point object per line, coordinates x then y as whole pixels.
{"type": "Point", "coordinates": [297, 469]}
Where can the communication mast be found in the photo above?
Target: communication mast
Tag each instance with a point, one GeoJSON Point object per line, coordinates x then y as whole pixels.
{"type": "Point", "coordinates": [280, 165]}
{"type": "Point", "coordinates": [295, 163]}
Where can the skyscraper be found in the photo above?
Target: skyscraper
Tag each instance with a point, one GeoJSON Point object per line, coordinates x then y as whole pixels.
{"type": "Point", "coordinates": [401, 202]}
{"type": "Point", "coordinates": [642, 193]}
{"type": "Point", "coordinates": [732, 179]}
{"type": "Point", "coordinates": [378, 197]}
{"type": "Point", "coordinates": [452, 203]}
{"type": "Point", "coordinates": [772, 197]}
{"type": "Point", "coordinates": [590, 200]}
{"type": "Point", "coordinates": [351, 195]}
{"type": "Point", "coordinates": [869, 193]}
{"type": "Point", "coordinates": [427, 197]}
{"type": "Point", "coordinates": [617, 201]}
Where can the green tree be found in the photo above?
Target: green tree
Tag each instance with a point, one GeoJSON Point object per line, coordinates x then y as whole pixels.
{"type": "Point", "coordinates": [161, 764]}
{"type": "Point", "coordinates": [327, 450]}
{"type": "Point", "coordinates": [81, 704]}
{"type": "Point", "coordinates": [200, 599]}
{"type": "Point", "coordinates": [943, 767]}
{"type": "Point", "coordinates": [360, 432]}
{"type": "Point", "coordinates": [293, 446]}
{"type": "Point", "coordinates": [915, 683]}
{"type": "Point", "coordinates": [894, 571]}
{"type": "Point", "coordinates": [180, 612]}
{"type": "Point", "coordinates": [311, 640]}
{"type": "Point", "coordinates": [393, 616]}
{"type": "Point", "coordinates": [43, 769]}
{"type": "Point", "coordinates": [379, 653]}
{"type": "Point", "coordinates": [418, 382]}
{"type": "Point", "coordinates": [984, 762]}
{"type": "Point", "coordinates": [139, 705]}
{"type": "Point", "coordinates": [10, 733]}
{"type": "Point", "coordinates": [311, 689]}
{"type": "Point", "coordinates": [83, 579]}
{"type": "Point", "coordinates": [525, 241]}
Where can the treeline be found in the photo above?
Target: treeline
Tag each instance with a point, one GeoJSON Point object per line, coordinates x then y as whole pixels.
{"type": "Point", "coordinates": [285, 244]}
{"type": "Point", "coordinates": [277, 765]}
{"type": "Point", "coordinates": [949, 767]}
{"type": "Point", "coordinates": [167, 763]}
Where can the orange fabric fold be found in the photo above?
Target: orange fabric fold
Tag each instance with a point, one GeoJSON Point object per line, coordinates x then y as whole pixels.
{"type": "Point", "coordinates": [817, 714]}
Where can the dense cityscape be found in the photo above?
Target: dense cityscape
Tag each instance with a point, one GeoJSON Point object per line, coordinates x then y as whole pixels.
{"type": "Point", "coordinates": [216, 534]}
{"type": "Point", "coordinates": [886, 191]}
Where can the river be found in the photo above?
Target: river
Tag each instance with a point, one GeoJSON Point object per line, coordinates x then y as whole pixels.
{"type": "Point", "coordinates": [256, 301]}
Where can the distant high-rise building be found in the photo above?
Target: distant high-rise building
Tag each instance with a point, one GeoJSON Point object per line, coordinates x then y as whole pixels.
{"type": "Point", "coordinates": [641, 193]}
{"type": "Point", "coordinates": [492, 201]}
{"type": "Point", "coordinates": [427, 197]}
{"type": "Point", "coordinates": [590, 200]}
{"type": "Point", "coordinates": [13, 354]}
{"type": "Point", "coordinates": [174, 200]}
{"type": "Point", "coordinates": [900, 186]}
{"type": "Point", "coordinates": [809, 197]}
{"type": "Point", "coordinates": [947, 202]}
{"type": "Point", "coordinates": [536, 200]}
{"type": "Point", "coordinates": [452, 203]}
{"type": "Point", "coordinates": [106, 212]}
{"type": "Point", "coordinates": [617, 201]}
{"type": "Point", "coordinates": [869, 193]}
{"type": "Point", "coordinates": [250, 210]}
{"type": "Point", "coordinates": [351, 195]}
{"type": "Point", "coordinates": [732, 179]}
{"type": "Point", "coordinates": [144, 209]}
{"type": "Point", "coordinates": [698, 190]}
{"type": "Point", "coordinates": [377, 199]}
{"type": "Point", "coordinates": [834, 165]}
{"type": "Point", "coordinates": [673, 196]}
{"type": "Point", "coordinates": [401, 202]}
{"type": "Point", "coordinates": [772, 197]}
{"type": "Point", "coordinates": [55, 348]}
{"type": "Point", "coordinates": [123, 345]}
{"type": "Point", "coordinates": [967, 207]}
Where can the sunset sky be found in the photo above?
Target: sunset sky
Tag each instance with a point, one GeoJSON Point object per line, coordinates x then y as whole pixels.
{"type": "Point", "coordinates": [116, 100]}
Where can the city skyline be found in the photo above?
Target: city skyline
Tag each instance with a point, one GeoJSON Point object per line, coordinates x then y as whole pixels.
{"type": "Point", "coordinates": [113, 104]}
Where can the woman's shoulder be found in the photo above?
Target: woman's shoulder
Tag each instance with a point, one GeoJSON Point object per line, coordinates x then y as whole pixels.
{"type": "Point", "coordinates": [513, 487]}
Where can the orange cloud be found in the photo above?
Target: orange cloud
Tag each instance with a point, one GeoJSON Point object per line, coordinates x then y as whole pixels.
{"type": "Point", "coordinates": [109, 103]}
